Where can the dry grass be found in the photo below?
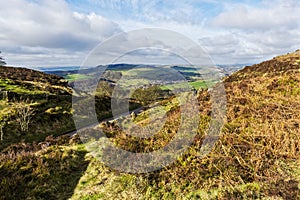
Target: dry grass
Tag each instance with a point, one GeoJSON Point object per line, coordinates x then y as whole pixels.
{"type": "Point", "coordinates": [256, 157]}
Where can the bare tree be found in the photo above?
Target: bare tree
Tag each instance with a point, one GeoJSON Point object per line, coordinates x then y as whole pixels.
{"type": "Point", "coordinates": [2, 124]}
{"type": "Point", "coordinates": [24, 114]}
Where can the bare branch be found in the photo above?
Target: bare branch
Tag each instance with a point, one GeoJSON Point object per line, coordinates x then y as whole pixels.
{"type": "Point", "coordinates": [24, 114]}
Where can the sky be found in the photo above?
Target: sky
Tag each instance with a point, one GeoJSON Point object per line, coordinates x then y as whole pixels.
{"type": "Point", "coordinates": [36, 33]}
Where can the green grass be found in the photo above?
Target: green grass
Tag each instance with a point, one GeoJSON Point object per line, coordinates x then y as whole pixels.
{"type": "Point", "coordinates": [198, 84]}
{"type": "Point", "coordinates": [52, 117]}
{"type": "Point", "coordinates": [73, 77]}
{"type": "Point", "coordinates": [194, 84]}
{"type": "Point", "coordinates": [98, 182]}
{"type": "Point", "coordinates": [3, 105]}
{"type": "Point", "coordinates": [11, 86]}
{"type": "Point", "coordinates": [51, 173]}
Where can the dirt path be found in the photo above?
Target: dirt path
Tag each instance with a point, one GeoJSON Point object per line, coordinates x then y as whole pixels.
{"type": "Point", "coordinates": [138, 110]}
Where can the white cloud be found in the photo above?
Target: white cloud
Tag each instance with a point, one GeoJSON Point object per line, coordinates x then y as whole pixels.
{"type": "Point", "coordinates": [247, 17]}
{"type": "Point", "coordinates": [244, 33]}
{"type": "Point", "coordinates": [51, 26]}
{"type": "Point", "coordinates": [56, 33]}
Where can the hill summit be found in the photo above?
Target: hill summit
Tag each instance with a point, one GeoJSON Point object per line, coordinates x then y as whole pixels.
{"type": "Point", "coordinates": [279, 65]}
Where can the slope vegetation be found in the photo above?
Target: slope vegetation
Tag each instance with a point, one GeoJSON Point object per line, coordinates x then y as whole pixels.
{"type": "Point", "coordinates": [33, 105]}
{"type": "Point", "coordinates": [256, 157]}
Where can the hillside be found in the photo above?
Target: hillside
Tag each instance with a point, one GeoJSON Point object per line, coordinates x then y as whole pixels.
{"type": "Point", "coordinates": [279, 65]}
{"type": "Point", "coordinates": [22, 80]}
{"type": "Point", "coordinates": [256, 157]}
{"type": "Point", "coordinates": [33, 105]}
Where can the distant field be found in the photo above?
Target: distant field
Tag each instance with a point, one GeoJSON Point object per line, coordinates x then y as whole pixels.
{"type": "Point", "coordinates": [195, 85]}
{"type": "Point", "coordinates": [73, 77]}
{"type": "Point", "coordinates": [198, 84]}
{"type": "Point", "coordinates": [137, 76]}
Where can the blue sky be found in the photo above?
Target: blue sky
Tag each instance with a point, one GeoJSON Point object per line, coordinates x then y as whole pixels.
{"type": "Point", "coordinates": [63, 32]}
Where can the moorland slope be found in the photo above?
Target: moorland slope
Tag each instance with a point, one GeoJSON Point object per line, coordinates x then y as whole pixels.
{"type": "Point", "coordinates": [257, 155]}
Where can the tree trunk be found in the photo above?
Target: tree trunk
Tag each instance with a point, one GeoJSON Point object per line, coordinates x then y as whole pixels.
{"type": "Point", "coordinates": [1, 133]}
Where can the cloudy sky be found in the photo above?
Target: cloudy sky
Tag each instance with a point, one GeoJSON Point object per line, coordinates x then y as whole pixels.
{"type": "Point", "coordinates": [63, 32]}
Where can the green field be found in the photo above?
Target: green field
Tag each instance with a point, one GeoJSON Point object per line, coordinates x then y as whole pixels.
{"type": "Point", "coordinates": [144, 75]}
{"type": "Point", "coordinates": [194, 84]}
{"type": "Point", "coordinates": [73, 77]}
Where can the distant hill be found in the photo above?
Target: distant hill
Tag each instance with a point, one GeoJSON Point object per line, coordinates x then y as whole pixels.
{"type": "Point", "coordinates": [65, 71]}
{"type": "Point", "coordinates": [73, 70]}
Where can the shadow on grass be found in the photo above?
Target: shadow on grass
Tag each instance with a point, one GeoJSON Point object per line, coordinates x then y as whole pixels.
{"type": "Point", "coordinates": [52, 173]}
